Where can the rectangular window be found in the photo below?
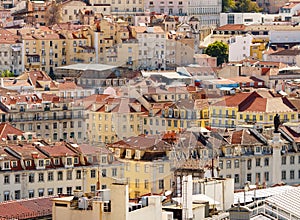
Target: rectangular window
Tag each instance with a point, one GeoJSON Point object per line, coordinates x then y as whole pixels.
{"type": "Point", "coordinates": [114, 171]}
{"type": "Point", "coordinates": [161, 184]}
{"type": "Point", "coordinates": [17, 178]}
{"type": "Point", "coordinates": [93, 173]}
{"type": "Point", "coordinates": [228, 164]}
{"type": "Point", "coordinates": [59, 190]}
{"type": "Point", "coordinates": [50, 191]}
{"type": "Point", "coordinates": [59, 175]}
{"type": "Point", "coordinates": [41, 177]}
{"type": "Point", "coordinates": [292, 159]}
{"type": "Point", "coordinates": [292, 174]}
{"type": "Point", "coordinates": [236, 164]}
{"type": "Point", "coordinates": [266, 161]}
{"type": "Point", "coordinates": [236, 178]}
{"type": "Point", "coordinates": [31, 177]}
{"type": "Point", "coordinates": [30, 193]}
{"type": "Point", "coordinates": [221, 164]}
{"type": "Point", "coordinates": [283, 160]}
{"type": "Point", "coordinates": [283, 175]}
{"type": "Point", "coordinates": [161, 168]}
{"type": "Point", "coordinates": [69, 175]}
{"type": "Point", "coordinates": [50, 176]}
{"type": "Point", "coordinates": [249, 177]}
{"type": "Point", "coordinates": [78, 174]}
{"type": "Point", "coordinates": [266, 176]}
{"type": "Point", "coordinates": [18, 194]}
{"type": "Point", "coordinates": [6, 179]}
{"type": "Point", "coordinates": [258, 162]}
{"type": "Point", "coordinates": [69, 190]}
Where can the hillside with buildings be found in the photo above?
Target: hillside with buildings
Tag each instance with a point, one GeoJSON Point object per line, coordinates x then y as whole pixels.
{"type": "Point", "coordinates": [161, 110]}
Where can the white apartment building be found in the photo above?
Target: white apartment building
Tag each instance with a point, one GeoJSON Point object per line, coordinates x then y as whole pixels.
{"type": "Point", "coordinates": [174, 7]}
{"type": "Point", "coordinates": [207, 11]}
{"type": "Point", "coordinates": [152, 46]}
{"type": "Point", "coordinates": [28, 171]}
{"type": "Point", "coordinates": [260, 161]}
{"type": "Point", "coordinates": [239, 47]}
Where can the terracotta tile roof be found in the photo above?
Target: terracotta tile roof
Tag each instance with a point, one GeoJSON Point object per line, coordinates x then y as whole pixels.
{"type": "Point", "coordinates": [258, 105]}
{"type": "Point", "coordinates": [142, 142]}
{"type": "Point", "coordinates": [6, 129]}
{"type": "Point", "coordinates": [268, 105]}
{"type": "Point", "coordinates": [5, 155]}
{"type": "Point", "coordinates": [291, 133]}
{"type": "Point", "coordinates": [27, 151]}
{"type": "Point", "coordinates": [24, 209]}
{"type": "Point", "coordinates": [288, 52]}
{"type": "Point", "coordinates": [290, 5]}
{"type": "Point", "coordinates": [242, 137]}
{"type": "Point", "coordinates": [232, 101]}
{"type": "Point", "coordinates": [142, 29]}
{"type": "Point", "coordinates": [7, 37]}
{"type": "Point", "coordinates": [58, 149]}
{"type": "Point", "coordinates": [14, 99]}
{"type": "Point", "coordinates": [69, 86]}
{"type": "Point", "coordinates": [231, 27]}
{"type": "Point", "coordinates": [14, 82]}
{"type": "Point", "coordinates": [296, 103]}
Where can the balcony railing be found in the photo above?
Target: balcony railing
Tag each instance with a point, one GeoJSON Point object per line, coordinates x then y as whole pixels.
{"type": "Point", "coordinates": [58, 118]}
{"type": "Point", "coordinates": [223, 116]}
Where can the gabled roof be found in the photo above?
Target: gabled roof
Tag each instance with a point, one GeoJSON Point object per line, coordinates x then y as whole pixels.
{"type": "Point", "coordinates": [31, 208]}
{"type": "Point", "coordinates": [233, 101]}
{"type": "Point", "coordinates": [58, 149]}
{"type": "Point", "coordinates": [6, 129]}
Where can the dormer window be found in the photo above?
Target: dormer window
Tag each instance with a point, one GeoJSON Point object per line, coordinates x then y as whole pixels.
{"type": "Point", "coordinates": [128, 153]}
{"type": "Point", "coordinates": [56, 161]}
{"type": "Point", "coordinates": [117, 152]}
{"type": "Point", "coordinates": [28, 163]}
{"type": "Point", "coordinates": [76, 160]}
{"type": "Point", "coordinates": [47, 162]}
{"type": "Point", "coordinates": [14, 164]}
{"type": "Point", "coordinates": [137, 154]}
{"type": "Point", "coordinates": [6, 165]}
{"type": "Point", "coordinates": [41, 163]}
{"type": "Point", "coordinates": [103, 159]}
{"type": "Point", "coordinates": [69, 161]}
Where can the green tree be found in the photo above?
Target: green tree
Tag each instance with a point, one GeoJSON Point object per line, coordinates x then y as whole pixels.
{"type": "Point", "coordinates": [218, 49]}
{"type": "Point", "coordinates": [228, 5]}
{"type": "Point", "coordinates": [246, 6]}
{"type": "Point", "coordinates": [6, 73]}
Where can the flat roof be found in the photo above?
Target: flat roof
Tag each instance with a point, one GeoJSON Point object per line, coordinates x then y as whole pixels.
{"type": "Point", "coordinates": [169, 75]}
{"type": "Point", "coordinates": [87, 66]}
{"type": "Point", "coordinates": [288, 201]}
{"type": "Point", "coordinates": [260, 193]}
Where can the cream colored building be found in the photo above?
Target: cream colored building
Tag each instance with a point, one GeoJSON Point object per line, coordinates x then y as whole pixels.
{"type": "Point", "coordinates": [50, 117]}
{"type": "Point", "coordinates": [112, 119]}
{"type": "Point", "coordinates": [41, 169]}
{"type": "Point", "coordinates": [148, 168]}
{"type": "Point", "coordinates": [108, 204]}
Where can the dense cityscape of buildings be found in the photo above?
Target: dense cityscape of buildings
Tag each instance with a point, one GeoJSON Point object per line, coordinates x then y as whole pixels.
{"type": "Point", "coordinates": [115, 110]}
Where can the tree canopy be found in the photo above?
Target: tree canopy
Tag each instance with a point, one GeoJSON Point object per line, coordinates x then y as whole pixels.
{"type": "Point", "coordinates": [6, 73]}
{"type": "Point", "coordinates": [218, 49]}
{"type": "Point", "coordinates": [240, 6]}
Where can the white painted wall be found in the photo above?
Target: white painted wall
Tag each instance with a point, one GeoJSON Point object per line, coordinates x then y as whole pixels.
{"type": "Point", "coordinates": [239, 47]}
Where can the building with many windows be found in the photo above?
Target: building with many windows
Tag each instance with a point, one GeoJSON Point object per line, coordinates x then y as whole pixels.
{"type": "Point", "coordinates": [50, 117]}
{"type": "Point", "coordinates": [42, 169]}
{"type": "Point", "coordinates": [147, 164]}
